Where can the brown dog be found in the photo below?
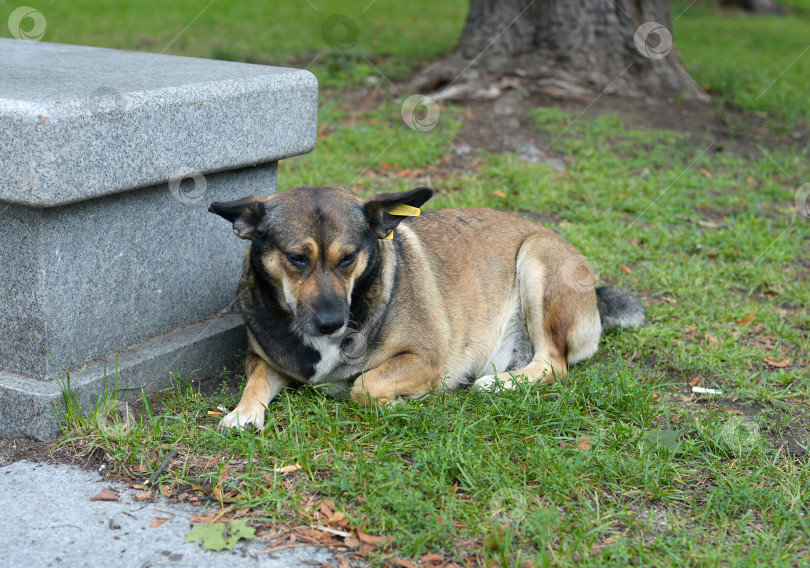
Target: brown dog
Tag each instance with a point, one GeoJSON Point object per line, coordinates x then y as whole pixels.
{"type": "Point", "coordinates": [363, 297]}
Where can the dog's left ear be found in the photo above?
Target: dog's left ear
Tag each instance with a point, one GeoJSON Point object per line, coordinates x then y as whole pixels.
{"type": "Point", "coordinates": [248, 215]}
{"type": "Point", "coordinates": [384, 212]}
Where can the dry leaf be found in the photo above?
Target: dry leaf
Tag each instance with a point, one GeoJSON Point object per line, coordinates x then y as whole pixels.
{"type": "Point", "coordinates": [369, 538]}
{"type": "Point", "coordinates": [106, 495]}
{"type": "Point", "coordinates": [404, 562]}
{"type": "Point", "coordinates": [202, 519]}
{"type": "Point", "coordinates": [336, 518]}
{"type": "Point", "coordinates": [747, 319]}
{"type": "Point", "coordinates": [499, 193]}
{"type": "Point", "coordinates": [146, 495]}
{"type": "Point", "coordinates": [778, 364]}
{"type": "Point", "coordinates": [696, 381]}
{"type": "Point", "coordinates": [166, 491]}
{"type": "Point", "coordinates": [584, 444]}
{"type": "Point", "coordinates": [626, 269]}
{"type": "Point", "coordinates": [427, 558]}
{"type": "Point", "coordinates": [158, 521]}
{"type": "Point", "coordinates": [705, 172]}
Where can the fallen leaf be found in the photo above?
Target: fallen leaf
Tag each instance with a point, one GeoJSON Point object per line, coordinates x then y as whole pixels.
{"type": "Point", "coordinates": [778, 364]}
{"type": "Point", "coordinates": [158, 521]}
{"type": "Point", "coordinates": [584, 444]}
{"type": "Point", "coordinates": [146, 495]}
{"type": "Point", "coordinates": [166, 491]}
{"type": "Point", "coordinates": [765, 342]}
{"type": "Point", "coordinates": [427, 558]}
{"type": "Point", "coordinates": [696, 381]}
{"type": "Point", "coordinates": [201, 519]}
{"type": "Point", "coordinates": [498, 193]}
{"type": "Point", "coordinates": [336, 518]}
{"type": "Point", "coordinates": [221, 536]}
{"type": "Point", "coordinates": [404, 562]}
{"type": "Point", "coordinates": [626, 269]}
{"type": "Point", "coordinates": [747, 319]}
{"type": "Point", "coordinates": [106, 495]}
{"type": "Point", "coordinates": [705, 172]}
{"type": "Point", "coordinates": [369, 538]}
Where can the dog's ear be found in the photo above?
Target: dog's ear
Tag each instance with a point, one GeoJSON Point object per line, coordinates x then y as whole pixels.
{"type": "Point", "coordinates": [248, 215]}
{"type": "Point", "coordinates": [384, 212]}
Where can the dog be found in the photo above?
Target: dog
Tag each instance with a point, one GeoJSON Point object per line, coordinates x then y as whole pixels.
{"type": "Point", "coordinates": [370, 299]}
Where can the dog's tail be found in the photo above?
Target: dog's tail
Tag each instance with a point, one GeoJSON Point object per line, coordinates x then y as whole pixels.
{"type": "Point", "coordinates": [618, 309]}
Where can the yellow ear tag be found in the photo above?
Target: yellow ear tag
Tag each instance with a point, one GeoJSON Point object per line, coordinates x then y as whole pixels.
{"type": "Point", "coordinates": [402, 210]}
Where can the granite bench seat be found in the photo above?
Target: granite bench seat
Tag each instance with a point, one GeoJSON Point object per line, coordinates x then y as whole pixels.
{"type": "Point", "coordinates": [107, 252]}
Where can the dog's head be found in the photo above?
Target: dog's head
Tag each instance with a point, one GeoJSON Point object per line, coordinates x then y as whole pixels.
{"type": "Point", "coordinates": [312, 244]}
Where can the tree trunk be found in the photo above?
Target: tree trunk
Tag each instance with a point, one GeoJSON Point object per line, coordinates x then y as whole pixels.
{"type": "Point", "coordinates": [580, 47]}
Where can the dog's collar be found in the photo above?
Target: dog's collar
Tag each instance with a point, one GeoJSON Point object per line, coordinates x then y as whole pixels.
{"type": "Point", "coordinates": [401, 210]}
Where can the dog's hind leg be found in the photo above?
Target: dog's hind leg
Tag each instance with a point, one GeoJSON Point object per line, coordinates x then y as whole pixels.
{"type": "Point", "coordinates": [262, 386]}
{"type": "Point", "coordinates": [560, 316]}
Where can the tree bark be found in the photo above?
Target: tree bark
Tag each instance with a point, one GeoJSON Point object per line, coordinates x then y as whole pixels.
{"type": "Point", "coordinates": [578, 47]}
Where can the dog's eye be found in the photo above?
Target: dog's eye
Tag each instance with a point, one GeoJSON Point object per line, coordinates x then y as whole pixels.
{"type": "Point", "coordinates": [297, 260]}
{"type": "Point", "coordinates": [348, 260]}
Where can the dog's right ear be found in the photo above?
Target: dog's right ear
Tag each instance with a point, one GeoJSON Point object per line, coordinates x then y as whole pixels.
{"type": "Point", "coordinates": [248, 215]}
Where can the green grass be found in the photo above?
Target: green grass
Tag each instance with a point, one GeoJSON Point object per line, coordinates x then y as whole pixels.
{"type": "Point", "coordinates": [613, 466]}
{"type": "Point", "coordinates": [756, 63]}
{"type": "Point", "coordinates": [390, 36]}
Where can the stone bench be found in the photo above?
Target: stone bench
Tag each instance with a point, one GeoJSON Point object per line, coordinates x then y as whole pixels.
{"type": "Point", "coordinates": [109, 160]}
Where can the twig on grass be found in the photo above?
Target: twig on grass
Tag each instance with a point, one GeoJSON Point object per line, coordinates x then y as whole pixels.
{"type": "Point", "coordinates": [161, 468]}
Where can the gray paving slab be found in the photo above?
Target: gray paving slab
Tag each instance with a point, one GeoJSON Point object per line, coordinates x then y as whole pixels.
{"type": "Point", "coordinates": [49, 520]}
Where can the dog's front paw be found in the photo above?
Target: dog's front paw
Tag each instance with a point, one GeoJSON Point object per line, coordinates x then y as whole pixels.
{"type": "Point", "coordinates": [244, 418]}
{"type": "Point", "coordinates": [492, 382]}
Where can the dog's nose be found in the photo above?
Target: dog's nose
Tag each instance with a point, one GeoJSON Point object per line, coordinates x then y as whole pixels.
{"type": "Point", "coordinates": [328, 323]}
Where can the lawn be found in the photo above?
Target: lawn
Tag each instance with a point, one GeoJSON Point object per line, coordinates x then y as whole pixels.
{"type": "Point", "coordinates": [619, 464]}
